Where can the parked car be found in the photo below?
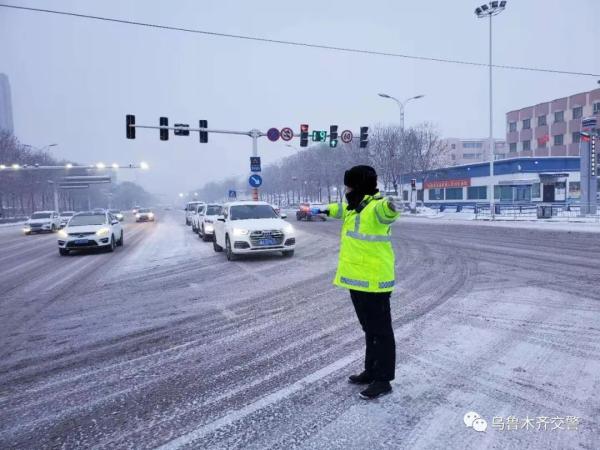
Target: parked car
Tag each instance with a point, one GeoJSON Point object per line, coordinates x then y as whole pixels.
{"type": "Point", "coordinates": [304, 212]}
{"type": "Point", "coordinates": [40, 221]}
{"type": "Point", "coordinates": [89, 230]}
{"type": "Point", "coordinates": [117, 213]}
{"type": "Point", "coordinates": [197, 214]}
{"type": "Point", "coordinates": [206, 228]}
{"type": "Point", "coordinates": [64, 217]}
{"type": "Point", "coordinates": [144, 215]}
{"type": "Point", "coordinates": [190, 209]}
{"type": "Point", "coordinates": [252, 227]}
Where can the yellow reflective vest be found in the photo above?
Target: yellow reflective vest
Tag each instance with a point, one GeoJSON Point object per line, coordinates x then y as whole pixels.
{"type": "Point", "coordinates": [366, 261]}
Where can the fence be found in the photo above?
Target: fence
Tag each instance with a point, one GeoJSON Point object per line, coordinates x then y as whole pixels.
{"type": "Point", "coordinates": [531, 211]}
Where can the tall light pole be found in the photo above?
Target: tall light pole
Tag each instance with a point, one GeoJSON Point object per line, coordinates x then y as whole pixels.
{"type": "Point", "coordinates": [401, 105]}
{"type": "Point", "coordinates": [491, 9]}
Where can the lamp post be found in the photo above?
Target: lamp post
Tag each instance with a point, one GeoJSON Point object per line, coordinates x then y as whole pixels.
{"type": "Point", "coordinates": [491, 9]}
{"type": "Point", "coordinates": [401, 105]}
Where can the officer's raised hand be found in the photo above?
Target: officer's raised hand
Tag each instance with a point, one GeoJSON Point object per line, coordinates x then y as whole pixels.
{"type": "Point", "coordinates": [395, 203]}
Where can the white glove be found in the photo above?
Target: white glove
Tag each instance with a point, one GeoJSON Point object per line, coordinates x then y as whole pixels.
{"type": "Point", "coordinates": [395, 203]}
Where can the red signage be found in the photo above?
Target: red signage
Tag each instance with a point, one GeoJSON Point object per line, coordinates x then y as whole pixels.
{"type": "Point", "coordinates": [441, 184]}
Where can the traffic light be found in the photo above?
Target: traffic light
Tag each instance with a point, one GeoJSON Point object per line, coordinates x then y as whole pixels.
{"type": "Point", "coordinates": [333, 136]}
{"type": "Point", "coordinates": [303, 135]}
{"type": "Point", "coordinates": [364, 136]}
{"type": "Point", "coordinates": [203, 134]}
{"type": "Point", "coordinates": [130, 131]}
{"type": "Point", "coordinates": [413, 184]}
{"type": "Point", "coordinates": [164, 133]}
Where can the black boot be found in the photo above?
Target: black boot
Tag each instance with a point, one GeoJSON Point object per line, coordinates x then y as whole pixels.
{"type": "Point", "coordinates": [361, 378]}
{"type": "Point", "coordinates": [376, 389]}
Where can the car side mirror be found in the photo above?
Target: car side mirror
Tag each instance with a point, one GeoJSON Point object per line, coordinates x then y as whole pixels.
{"type": "Point", "coordinates": [221, 218]}
{"type": "Point", "coordinates": [283, 215]}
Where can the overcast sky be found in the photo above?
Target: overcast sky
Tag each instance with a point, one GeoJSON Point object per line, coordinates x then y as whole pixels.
{"type": "Point", "coordinates": [73, 80]}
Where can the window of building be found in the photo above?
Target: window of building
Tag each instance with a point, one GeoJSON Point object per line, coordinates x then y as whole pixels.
{"type": "Point", "coordinates": [454, 193]}
{"type": "Point", "coordinates": [526, 124]}
{"type": "Point", "coordinates": [597, 108]}
{"type": "Point", "coordinates": [500, 144]}
{"type": "Point", "coordinates": [559, 116]}
{"type": "Point", "coordinates": [541, 120]}
{"type": "Point", "coordinates": [453, 156]}
{"type": "Point", "coordinates": [512, 147]}
{"type": "Point", "coordinates": [576, 137]}
{"type": "Point", "coordinates": [405, 196]}
{"type": "Point", "coordinates": [526, 146]}
{"type": "Point", "coordinates": [472, 144]}
{"type": "Point", "coordinates": [512, 126]}
{"type": "Point", "coordinates": [503, 193]}
{"type": "Point", "coordinates": [436, 194]}
{"type": "Point", "coordinates": [522, 193]}
{"type": "Point", "coordinates": [476, 192]}
{"type": "Point", "coordinates": [574, 190]}
{"type": "Point", "coordinates": [535, 190]}
{"type": "Point", "coordinates": [558, 139]}
{"type": "Point", "coordinates": [453, 146]}
{"type": "Point", "coordinates": [577, 112]}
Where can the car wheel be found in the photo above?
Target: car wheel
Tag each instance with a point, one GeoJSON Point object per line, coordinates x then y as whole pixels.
{"type": "Point", "coordinates": [298, 217]}
{"type": "Point", "coordinates": [63, 251]}
{"type": "Point", "coordinates": [216, 247]}
{"type": "Point", "coordinates": [230, 255]}
{"type": "Point", "coordinates": [120, 243]}
{"type": "Point", "coordinates": [288, 253]}
{"type": "Point", "coordinates": [53, 228]}
{"type": "Point", "coordinates": [111, 247]}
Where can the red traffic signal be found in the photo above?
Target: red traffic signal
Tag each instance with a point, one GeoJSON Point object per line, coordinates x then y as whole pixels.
{"type": "Point", "coordinates": [304, 135]}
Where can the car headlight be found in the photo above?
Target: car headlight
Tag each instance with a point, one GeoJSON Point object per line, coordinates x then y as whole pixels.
{"type": "Point", "coordinates": [63, 234]}
{"type": "Point", "coordinates": [137, 216]}
{"type": "Point", "coordinates": [239, 232]}
{"type": "Point", "coordinates": [102, 231]}
{"type": "Point", "coordinates": [288, 228]}
{"type": "Point", "coordinates": [26, 229]}
{"type": "Point", "coordinates": [151, 215]}
{"type": "Point", "coordinates": [209, 228]}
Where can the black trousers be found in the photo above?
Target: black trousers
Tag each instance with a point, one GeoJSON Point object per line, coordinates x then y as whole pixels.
{"type": "Point", "coordinates": [373, 312]}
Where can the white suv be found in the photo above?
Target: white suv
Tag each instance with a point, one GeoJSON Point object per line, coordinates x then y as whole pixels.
{"type": "Point", "coordinates": [206, 226]}
{"type": "Point", "coordinates": [196, 215]}
{"type": "Point", "coordinates": [48, 221]}
{"type": "Point", "coordinates": [90, 230]}
{"type": "Point", "coordinates": [190, 209]}
{"type": "Point", "coordinates": [252, 227]}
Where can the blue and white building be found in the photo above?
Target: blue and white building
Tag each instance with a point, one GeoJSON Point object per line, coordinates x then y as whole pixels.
{"type": "Point", "coordinates": [523, 180]}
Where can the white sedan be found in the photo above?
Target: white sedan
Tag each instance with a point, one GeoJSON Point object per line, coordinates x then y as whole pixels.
{"type": "Point", "coordinates": [90, 230]}
{"type": "Point", "coordinates": [252, 227]}
{"type": "Point", "coordinates": [206, 226]}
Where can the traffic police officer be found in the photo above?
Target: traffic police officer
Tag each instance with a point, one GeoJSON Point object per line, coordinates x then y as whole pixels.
{"type": "Point", "coordinates": [366, 268]}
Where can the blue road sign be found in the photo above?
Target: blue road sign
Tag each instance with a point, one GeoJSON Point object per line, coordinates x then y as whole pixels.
{"type": "Point", "coordinates": [273, 134]}
{"type": "Point", "coordinates": [255, 164]}
{"type": "Point", "coordinates": [232, 194]}
{"type": "Point", "coordinates": [255, 180]}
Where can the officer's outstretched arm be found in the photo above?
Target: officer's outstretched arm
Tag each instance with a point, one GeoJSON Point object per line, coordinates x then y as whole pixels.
{"type": "Point", "coordinates": [335, 210]}
{"type": "Point", "coordinates": [388, 210]}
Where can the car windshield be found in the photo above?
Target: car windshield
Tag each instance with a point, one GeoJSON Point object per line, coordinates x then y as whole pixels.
{"type": "Point", "coordinates": [242, 212]}
{"type": "Point", "coordinates": [144, 210]}
{"type": "Point", "coordinates": [115, 211]}
{"type": "Point", "coordinates": [66, 214]}
{"type": "Point", "coordinates": [79, 220]}
{"type": "Point", "coordinates": [40, 216]}
{"type": "Point", "coordinates": [213, 211]}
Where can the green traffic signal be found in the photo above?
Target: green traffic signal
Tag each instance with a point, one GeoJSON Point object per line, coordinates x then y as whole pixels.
{"type": "Point", "coordinates": [333, 143]}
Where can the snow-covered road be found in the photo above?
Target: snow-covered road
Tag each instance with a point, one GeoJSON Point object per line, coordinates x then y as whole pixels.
{"type": "Point", "coordinates": [165, 343]}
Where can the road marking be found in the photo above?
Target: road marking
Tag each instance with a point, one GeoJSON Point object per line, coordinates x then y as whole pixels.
{"type": "Point", "coordinates": [235, 415]}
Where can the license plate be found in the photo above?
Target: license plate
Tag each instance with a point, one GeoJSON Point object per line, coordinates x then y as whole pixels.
{"type": "Point", "coordinates": [266, 242]}
{"type": "Point", "coordinates": [81, 241]}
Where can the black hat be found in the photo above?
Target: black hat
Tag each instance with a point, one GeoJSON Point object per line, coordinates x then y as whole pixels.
{"type": "Point", "coordinates": [362, 179]}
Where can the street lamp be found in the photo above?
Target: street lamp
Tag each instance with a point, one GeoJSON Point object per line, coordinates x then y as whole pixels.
{"type": "Point", "coordinates": [401, 105]}
{"type": "Point", "coordinates": [491, 9]}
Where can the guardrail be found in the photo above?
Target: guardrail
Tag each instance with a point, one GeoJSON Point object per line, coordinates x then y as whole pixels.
{"type": "Point", "coordinates": [569, 212]}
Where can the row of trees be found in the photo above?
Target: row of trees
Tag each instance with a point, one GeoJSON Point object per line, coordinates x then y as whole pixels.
{"type": "Point", "coordinates": [25, 191]}
{"type": "Point", "coordinates": [317, 173]}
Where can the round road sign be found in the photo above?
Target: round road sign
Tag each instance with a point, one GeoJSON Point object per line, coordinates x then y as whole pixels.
{"type": "Point", "coordinates": [287, 134]}
{"type": "Point", "coordinates": [346, 136]}
{"type": "Point", "coordinates": [255, 180]}
{"type": "Point", "coordinates": [273, 134]}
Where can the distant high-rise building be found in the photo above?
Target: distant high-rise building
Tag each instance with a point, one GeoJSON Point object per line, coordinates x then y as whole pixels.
{"type": "Point", "coordinates": [469, 151]}
{"type": "Point", "coordinates": [6, 117]}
